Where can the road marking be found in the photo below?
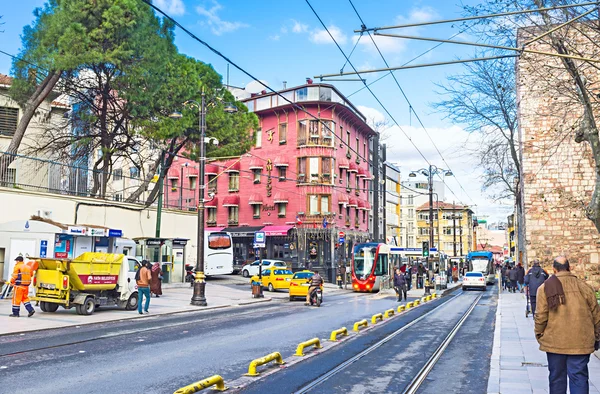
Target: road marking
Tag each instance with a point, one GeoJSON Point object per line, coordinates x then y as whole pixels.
{"type": "Point", "coordinates": [82, 351]}
{"type": "Point", "coordinates": [3, 367]}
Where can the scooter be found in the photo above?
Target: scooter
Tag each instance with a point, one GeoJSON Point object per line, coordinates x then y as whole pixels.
{"type": "Point", "coordinates": [316, 297]}
{"type": "Point", "coordinates": [190, 275]}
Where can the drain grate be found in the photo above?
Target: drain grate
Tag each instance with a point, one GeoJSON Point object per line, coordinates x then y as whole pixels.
{"type": "Point", "coordinates": [526, 364]}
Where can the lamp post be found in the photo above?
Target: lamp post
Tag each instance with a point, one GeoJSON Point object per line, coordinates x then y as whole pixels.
{"type": "Point", "coordinates": [429, 173]}
{"type": "Point", "coordinates": [199, 297]}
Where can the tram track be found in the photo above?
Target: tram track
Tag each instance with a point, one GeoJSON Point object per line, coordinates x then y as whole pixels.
{"type": "Point", "coordinates": [422, 374]}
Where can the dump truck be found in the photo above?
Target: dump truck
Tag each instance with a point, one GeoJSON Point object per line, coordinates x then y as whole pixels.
{"type": "Point", "coordinates": [86, 282]}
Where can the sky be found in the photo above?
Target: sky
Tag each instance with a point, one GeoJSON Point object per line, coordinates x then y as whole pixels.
{"type": "Point", "coordinates": [279, 41]}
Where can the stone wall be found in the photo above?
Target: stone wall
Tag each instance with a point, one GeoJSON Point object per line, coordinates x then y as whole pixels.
{"type": "Point", "coordinates": [558, 172]}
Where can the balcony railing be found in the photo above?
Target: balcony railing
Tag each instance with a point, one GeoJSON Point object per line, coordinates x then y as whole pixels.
{"type": "Point", "coordinates": [315, 140]}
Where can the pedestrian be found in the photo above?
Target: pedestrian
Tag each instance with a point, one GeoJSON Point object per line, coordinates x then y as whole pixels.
{"type": "Point", "coordinates": [21, 279]}
{"type": "Point", "coordinates": [534, 279]}
{"type": "Point", "coordinates": [143, 278]}
{"type": "Point", "coordinates": [455, 273]}
{"type": "Point", "coordinates": [338, 275]}
{"type": "Point", "coordinates": [156, 283]}
{"type": "Point", "coordinates": [512, 277]}
{"type": "Point", "coordinates": [505, 281]}
{"type": "Point", "coordinates": [400, 285]}
{"type": "Point", "coordinates": [449, 274]}
{"type": "Point", "coordinates": [521, 277]}
{"type": "Point", "coordinates": [408, 277]}
{"type": "Point", "coordinates": [420, 273]}
{"type": "Point", "coordinates": [567, 327]}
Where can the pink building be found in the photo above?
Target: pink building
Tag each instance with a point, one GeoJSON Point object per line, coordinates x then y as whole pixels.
{"type": "Point", "coordinates": [305, 180]}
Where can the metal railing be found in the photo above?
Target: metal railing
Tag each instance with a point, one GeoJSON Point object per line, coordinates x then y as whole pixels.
{"type": "Point", "coordinates": [76, 179]}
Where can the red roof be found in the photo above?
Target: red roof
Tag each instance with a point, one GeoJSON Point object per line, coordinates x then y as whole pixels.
{"type": "Point", "coordinates": [442, 205]}
{"type": "Point", "coordinates": [5, 80]}
{"type": "Point", "coordinates": [231, 201]}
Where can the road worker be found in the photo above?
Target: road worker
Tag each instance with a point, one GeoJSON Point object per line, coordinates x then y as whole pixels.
{"type": "Point", "coordinates": [21, 279]}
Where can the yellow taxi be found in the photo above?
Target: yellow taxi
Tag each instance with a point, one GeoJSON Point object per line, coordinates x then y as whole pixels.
{"type": "Point", "coordinates": [300, 283]}
{"type": "Point", "coordinates": [275, 278]}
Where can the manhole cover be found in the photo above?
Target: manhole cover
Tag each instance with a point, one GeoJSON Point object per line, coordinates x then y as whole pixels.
{"type": "Point", "coordinates": [526, 364]}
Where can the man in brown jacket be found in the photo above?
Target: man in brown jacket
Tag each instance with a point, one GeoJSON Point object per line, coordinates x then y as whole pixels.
{"type": "Point", "coordinates": [567, 326]}
{"type": "Point", "coordinates": [143, 284]}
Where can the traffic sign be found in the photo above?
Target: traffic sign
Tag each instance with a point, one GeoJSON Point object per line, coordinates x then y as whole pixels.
{"type": "Point", "coordinates": [341, 234]}
{"type": "Point", "coordinates": [260, 240]}
{"type": "Point", "coordinates": [342, 240]}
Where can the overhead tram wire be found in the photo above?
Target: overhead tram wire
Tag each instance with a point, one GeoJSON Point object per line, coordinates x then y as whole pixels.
{"type": "Point", "coordinates": [228, 60]}
{"type": "Point", "coordinates": [410, 106]}
{"type": "Point", "coordinates": [371, 91]}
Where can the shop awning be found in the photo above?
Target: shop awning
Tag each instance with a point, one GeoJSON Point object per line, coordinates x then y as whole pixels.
{"type": "Point", "coordinates": [233, 166]}
{"type": "Point", "coordinates": [213, 229]}
{"type": "Point", "coordinates": [280, 198]}
{"type": "Point", "coordinates": [342, 199]}
{"type": "Point", "coordinates": [352, 203]}
{"type": "Point", "coordinates": [255, 164]}
{"type": "Point", "coordinates": [211, 169]}
{"type": "Point", "coordinates": [353, 167]}
{"type": "Point", "coordinates": [343, 163]}
{"type": "Point", "coordinates": [281, 161]}
{"type": "Point", "coordinates": [212, 203]}
{"type": "Point", "coordinates": [255, 199]}
{"type": "Point", "coordinates": [273, 231]}
{"type": "Point", "coordinates": [231, 201]}
{"type": "Point", "coordinates": [244, 231]}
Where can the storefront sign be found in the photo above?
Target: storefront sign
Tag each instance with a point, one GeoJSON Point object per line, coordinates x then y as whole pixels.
{"type": "Point", "coordinates": [76, 230]}
{"type": "Point", "coordinates": [179, 242]}
{"type": "Point", "coordinates": [115, 233]}
{"type": "Point", "coordinates": [269, 168]}
{"type": "Point", "coordinates": [63, 246]}
{"type": "Point", "coordinates": [153, 242]}
{"type": "Point", "coordinates": [96, 232]}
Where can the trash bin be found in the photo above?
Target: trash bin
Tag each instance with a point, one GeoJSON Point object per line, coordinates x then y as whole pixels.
{"type": "Point", "coordinates": [257, 290]}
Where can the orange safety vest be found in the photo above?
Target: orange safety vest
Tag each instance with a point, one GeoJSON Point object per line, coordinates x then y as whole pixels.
{"type": "Point", "coordinates": [21, 275]}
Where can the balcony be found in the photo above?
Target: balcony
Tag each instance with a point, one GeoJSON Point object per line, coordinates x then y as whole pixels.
{"type": "Point", "coordinates": [315, 140]}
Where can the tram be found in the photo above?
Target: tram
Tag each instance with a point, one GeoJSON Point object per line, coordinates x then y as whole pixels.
{"type": "Point", "coordinates": [370, 262]}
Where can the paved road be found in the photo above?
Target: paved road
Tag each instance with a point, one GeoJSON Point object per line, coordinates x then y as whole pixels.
{"type": "Point", "coordinates": [464, 366]}
{"type": "Point", "coordinates": [163, 353]}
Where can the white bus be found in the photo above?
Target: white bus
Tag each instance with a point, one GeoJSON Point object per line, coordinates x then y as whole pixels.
{"type": "Point", "coordinates": [218, 254]}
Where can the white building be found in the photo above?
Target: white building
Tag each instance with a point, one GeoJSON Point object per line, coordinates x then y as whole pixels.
{"type": "Point", "coordinates": [414, 193]}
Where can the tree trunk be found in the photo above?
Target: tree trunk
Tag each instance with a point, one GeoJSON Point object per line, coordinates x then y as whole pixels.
{"type": "Point", "coordinates": [133, 197]}
{"type": "Point", "coordinates": [41, 93]}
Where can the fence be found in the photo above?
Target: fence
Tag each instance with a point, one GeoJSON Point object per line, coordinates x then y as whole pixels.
{"type": "Point", "coordinates": [72, 179]}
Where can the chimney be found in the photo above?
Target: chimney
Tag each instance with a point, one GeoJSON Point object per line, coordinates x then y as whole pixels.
{"type": "Point", "coordinates": [285, 84]}
{"type": "Point", "coordinates": [309, 81]}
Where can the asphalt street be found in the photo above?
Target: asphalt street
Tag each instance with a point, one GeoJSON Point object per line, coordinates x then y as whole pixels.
{"type": "Point", "coordinates": [162, 353]}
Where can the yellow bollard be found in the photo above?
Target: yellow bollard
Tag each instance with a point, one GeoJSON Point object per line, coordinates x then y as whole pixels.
{"type": "Point", "coordinates": [362, 323]}
{"type": "Point", "coordinates": [417, 302]}
{"type": "Point", "coordinates": [214, 380]}
{"type": "Point", "coordinates": [401, 308]}
{"type": "Point", "coordinates": [433, 295]}
{"type": "Point", "coordinates": [389, 313]}
{"type": "Point", "coordinates": [342, 331]}
{"type": "Point", "coordinates": [310, 342]}
{"type": "Point", "coordinates": [376, 317]}
{"type": "Point", "coordinates": [423, 300]}
{"type": "Point", "coordinates": [409, 305]}
{"type": "Point", "coordinates": [276, 356]}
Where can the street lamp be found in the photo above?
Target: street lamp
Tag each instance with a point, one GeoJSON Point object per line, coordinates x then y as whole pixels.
{"type": "Point", "coordinates": [199, 297]}
{"type": "Point", "coordinates": [429, 173]}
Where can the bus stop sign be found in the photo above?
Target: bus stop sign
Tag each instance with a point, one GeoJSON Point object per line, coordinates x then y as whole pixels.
{"type": "Point", "coordinates": [260, 239]}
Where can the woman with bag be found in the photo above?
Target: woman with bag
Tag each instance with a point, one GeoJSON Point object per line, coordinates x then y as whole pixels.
{"type": "Point", "coordinates": [156, 283]}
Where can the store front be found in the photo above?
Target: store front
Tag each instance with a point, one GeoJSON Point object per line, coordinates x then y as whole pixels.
{"type": "Point", "coordinates": [169, 252]}
{"type": "Point", "coordinates": [280, 244]}
{"type": "Point", "coordinates": [243, 242]}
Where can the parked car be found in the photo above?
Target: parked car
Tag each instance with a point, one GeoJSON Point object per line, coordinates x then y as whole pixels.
{"type": "Point", "coordinates": [275, 279]}
{"type": "Point", "coordinates": [251, 269]}
{"type": "Point", "coordinates": [474, 280]}
{"type": "Point", "coordinates": [300, 283]}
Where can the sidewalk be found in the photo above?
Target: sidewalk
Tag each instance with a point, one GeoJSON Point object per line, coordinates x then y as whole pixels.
{"type": "Point", "coordinates": [517, 364]}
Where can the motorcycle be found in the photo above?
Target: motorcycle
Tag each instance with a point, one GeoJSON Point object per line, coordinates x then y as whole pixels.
{"type": "Point", "coordinates": [316, 297]}
{"type": "Point", "coordinates": [190, 275]}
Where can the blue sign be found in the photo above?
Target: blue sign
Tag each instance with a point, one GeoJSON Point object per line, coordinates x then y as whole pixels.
{"type": "Point", "coordinates": [342, 240]}
{"type": "Point", "coordinates": [115, 233]}
{"type": "Point", "coordinates": [43, 248]}
{"type": "Point", "coordinates": [324, 222]}
{"type": "Point", "coordinates": [260, 239]}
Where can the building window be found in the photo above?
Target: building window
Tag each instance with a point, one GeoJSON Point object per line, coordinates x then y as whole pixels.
{"type": "Point", "coordinates": [258, 142]}
{"type": "Point", "coordinates": [348, 181]}
{"type": "Point", "coordinates": [118, 197]}
{"type": "Point", "coordinates": [326, 170]}
{"type": "Point", "coordinates": [348, 139]}
{"type": "Point", "coordinates": [193, 183]}
{"type": "Point", "coordinates": [315, 132]}
{"type": "Point", "coordinates": [9, 118]}
{"type": "Point", "coordinates": [448, 231]}
{"type": "Point", "coordinates": [211, 219]}
{"type": "Point", "coordinates": [302, 170]}
{"type": "Point", "coordinates": [313, 168]}
{"type": "Point", "coordinates": [328, 130]}
{"type": "Point", "coordinates": [364, 150]}
{"type": "Point", "coordinates": [313, 129]}
{"type": "Point", "coordinates": [313, 204]}
{"type": "Point", "coordinates": [364, 216]}
{"type": "Point", "coordinates": [282, 133]}
{"type": "Point", "coordinates": [411, 241]}
{"type": "Point", "coordinates": [282, 173]}
{"type": "Point", "coordinates": [281, 208]}
{"type": "Point", "coordinates": [411, 227]}
{"type": "Point", "coordinates": [212, 183]}
{"type": "Point", "coordinates": [256, 175]}
{"type": "Point", "coordinates": [364, 184]}
{"type": "Point", "coordinates": [256, 211]}
{"type": "Point", "coordinates": [324, 204]}
{"type": "Point", "coordinates": [411, 200]}
{"type": "Point", "coordinates": [134, 172]}
{"type": "Point", "coordinates": [117, 174]}
{"type": "Point", "coordinates": [234, 182]}
{"type": "Point", "coordinates": [318, 204]}
{"type": "Point", "coordinates": [232, 215]}
{"type": "Point", "coordinates": [174, 184]}
{"type": "Point", "coordinates": [357, 147]}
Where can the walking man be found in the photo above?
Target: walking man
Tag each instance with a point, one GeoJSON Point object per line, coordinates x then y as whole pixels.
{"type": "Point", "coordinates": [534, 279]}
{"type": "Point", "coordinates": [21, 279]}
{"type": "Point", "coordinates": [520, 277]}
{"type": "Point", "coordinates": [513, 276]}
{"type": "Point", "coordinates": [400, 284]}
{"type": "Point", "coordinates": [567, 327]}
{"type": "Point", "coordinates": [420, 273]}
{"type": "Point", "coordinates": [143, 278]}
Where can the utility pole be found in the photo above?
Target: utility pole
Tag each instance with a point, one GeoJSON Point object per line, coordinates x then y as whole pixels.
{"type": "Point", "coordinates": [376, 187]}
{"type": "Point", "coordinates": [454, 226]}
{"type": "Point", "coordinates": [384, 187]}
{"type": "Point", "coordinates": [431, 213]}
{"type": "Point", "coordinates": [461, 240]}
{"type": "Point", "coordinates": [160, 196]}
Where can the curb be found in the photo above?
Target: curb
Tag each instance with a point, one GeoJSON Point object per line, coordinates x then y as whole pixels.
{"type": "Point", "coordinates": [208, 308]}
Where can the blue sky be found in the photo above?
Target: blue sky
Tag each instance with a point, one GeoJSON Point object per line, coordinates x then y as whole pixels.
{"type": "Point", "coordinates": [283, 41]}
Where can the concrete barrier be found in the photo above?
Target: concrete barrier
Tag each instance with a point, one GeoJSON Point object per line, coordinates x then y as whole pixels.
{"type": "Point", "coordinates": [409, 305]}
{"type": "Point", "coordinates": [342, 331]}
{"type": "Point", "coordinates": [424, 300]}
{"type": "Point", "coordinates": [434, 295]}
{"type": "Point", "coordinates": [401, 308]}
{"type": "Point", "coordinates": [358, 324]}
{"type": "Point", "coordinates": [376, 317]}
{"type": "Point", "coordinates": [310, 342]}
{"type": "Point", "coordinates": [276, 356]}
{"type": "Point", "coordinates": [416, 302]}
{"type": "Point", "coordinates": [389, 313]}
{"type": "Point", "coordinates": [215, 380]}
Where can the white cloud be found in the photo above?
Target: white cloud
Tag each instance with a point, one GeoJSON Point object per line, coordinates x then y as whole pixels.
{"type": "Point", "coordinates": [373, 115]}
{"type": "Point", "coordinates": [274, 37]}
{"type": "Point", "coordinates": [418, 15]}
{"type": "Point", "coordinates": [320, 36]}
{"type": "Point", "coordinates": [299, 27]}
{"type": "Point", "coordinates": [171, 7]}
{"type": "Point", "coordinates": [218, 25]}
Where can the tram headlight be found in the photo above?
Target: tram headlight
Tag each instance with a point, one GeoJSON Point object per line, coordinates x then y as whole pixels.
{"type": "Point", "coordinates": [368, 287]}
